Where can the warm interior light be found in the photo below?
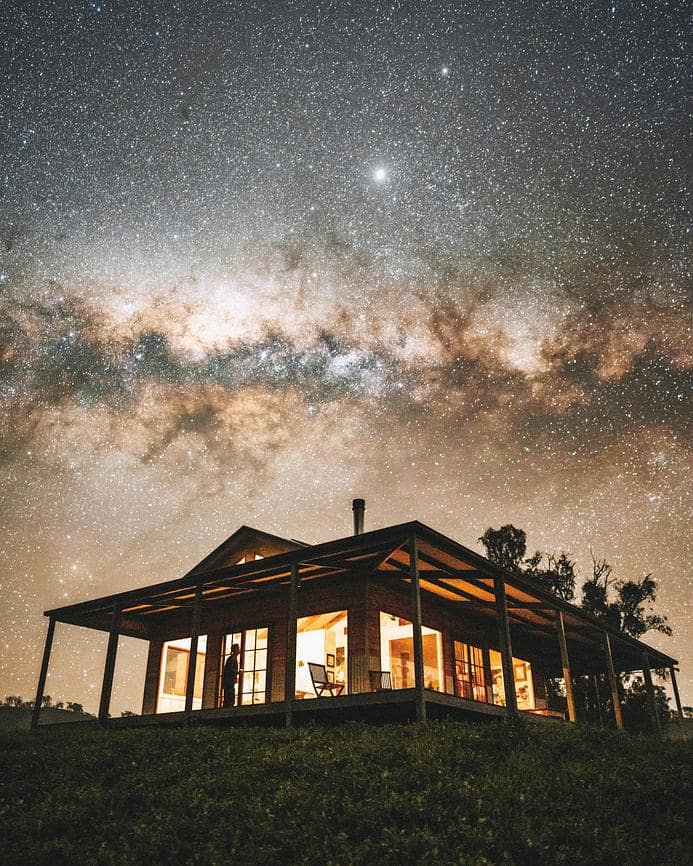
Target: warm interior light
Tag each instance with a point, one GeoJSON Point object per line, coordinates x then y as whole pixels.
{"type": "Point", "coordinates": [321, 639]}
{"type": "Point", "coordinates": [397, 653]}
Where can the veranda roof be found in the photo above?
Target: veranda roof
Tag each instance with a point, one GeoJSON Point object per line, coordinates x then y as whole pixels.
{"type": "Point", "coordinates": [448, 570]}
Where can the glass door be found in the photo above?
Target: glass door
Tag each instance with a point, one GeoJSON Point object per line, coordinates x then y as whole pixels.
{"type": "Point", "coordinates": [251, 687]}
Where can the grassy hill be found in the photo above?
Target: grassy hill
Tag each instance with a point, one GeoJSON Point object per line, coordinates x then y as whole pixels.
{"type": "Point", "coordinates": [19, 718]}
{"type": "Point", "coordinates": [440, 793]}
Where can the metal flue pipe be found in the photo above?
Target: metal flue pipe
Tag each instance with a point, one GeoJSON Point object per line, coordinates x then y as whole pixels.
{"type": "Point", "coordinates": [358, 506]}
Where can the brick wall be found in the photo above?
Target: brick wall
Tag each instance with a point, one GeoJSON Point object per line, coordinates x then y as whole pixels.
{"type": "Point", "coordinates": [363, 600]}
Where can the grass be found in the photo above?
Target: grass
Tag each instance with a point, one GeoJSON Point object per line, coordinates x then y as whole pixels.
{"type": "Point", "coordinates": [436, 793]}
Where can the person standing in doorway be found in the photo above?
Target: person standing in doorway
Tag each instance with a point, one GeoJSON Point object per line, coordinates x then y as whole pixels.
{"type": "Point", "coordinates": [230, 675]}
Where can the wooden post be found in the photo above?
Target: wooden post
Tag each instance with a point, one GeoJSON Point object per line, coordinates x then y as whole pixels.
{"type": "Point", "coordinates": [677, 698]}
{"type": "Point", "coordinates": [290, 670]}
{"type": "Point", "coordinates": [613, 682]}
{"type": "Point", "coordinates": [43, 673]}
{"type": "Point", "coordinates": [192, 659]}
{"type": "Point", "coordinates": [598, 698]}
{"type": "Point", "coordinates": [151, 678]}
{"type": "Point", "coordinates": [506, 649]}
{"type": "Point", "coordinates": [488, 676]}
{"type": "Point", "coordinates": [565, 662]}
{"type": "Point", "coordinates": [212, 675]}
{"type": "Point", "coordinates": [416, 623]}
{"type": "Point", "coordinates": [651, 702]}
{"type": "Point", "coordinates": [109, 668]}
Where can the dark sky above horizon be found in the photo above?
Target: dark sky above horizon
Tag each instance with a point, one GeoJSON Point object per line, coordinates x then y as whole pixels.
{"type": "Point", "coordinates": [259, 258]}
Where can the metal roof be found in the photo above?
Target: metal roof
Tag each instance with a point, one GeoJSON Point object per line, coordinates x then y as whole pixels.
{"type": "Point", "coordinates": [447, 569]}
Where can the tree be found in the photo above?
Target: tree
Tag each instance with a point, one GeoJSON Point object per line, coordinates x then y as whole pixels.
{"type": "Point", "coordinates": [558, 577]}
{"type": "Point", "coordinates": [74, 707]}
{"type": "Point", "coordinates": [635, 706]}
{"type": "Point", "coordinates": [46, 701]}
{"type": "Point", "coordinates": [625, 604]}
{"type": "Point", "coordinates": [14, 701]}
{"type": "Point", "coordinates": [506, 546]}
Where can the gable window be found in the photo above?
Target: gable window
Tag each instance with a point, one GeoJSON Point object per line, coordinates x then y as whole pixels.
{"type": "Point", "coordinates": [251, 687]}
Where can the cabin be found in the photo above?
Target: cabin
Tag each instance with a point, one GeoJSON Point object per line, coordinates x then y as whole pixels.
{"type": "Point", "coordinates": [393, 624]}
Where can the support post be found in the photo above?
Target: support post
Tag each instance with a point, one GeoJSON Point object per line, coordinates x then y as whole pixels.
{"type": "Point", "coordinates": [651, 702]}
{"type": "Point", "coordinates": [192, 659]}
{"type": "Point", "coordinates": [598, 698]}
{"type": "Point", "coordinates": [109, 668]}
{"type": "Point", "coordinates": [290, 670]}
{"type": "Point", "coordinates": [677, 698]}
{"type": "Point", "coordinates": [416, 623]}
{"type": "Point", "coordinates": [43, 673]}
{"type": "Point", "coordinates": [565, 662]}
{"type": "Point", "coordinates": [613, 682]}
{"type": "Point", "coordinates": [505, 645]}
{"type": "Point", "coordinates": [212, 675]}
{"type": "Point", "coordinates": [151, 678]}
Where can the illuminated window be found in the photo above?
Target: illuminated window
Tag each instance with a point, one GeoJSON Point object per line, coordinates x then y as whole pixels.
{"type": "Point", "coordinates": [173, 679]}
{"type": "Point", "coordinates": [251, 687]}
{"type": "Point", "coordinates": [524, 687]}
{"type": "Point", "coordinates": [470, 677]}
{"type": "Point", "coordinates": [249, 558]}
{"type": "Point", "coordinates": [397, 653]}
{"type": "Point", "coordinates": [321, 639]}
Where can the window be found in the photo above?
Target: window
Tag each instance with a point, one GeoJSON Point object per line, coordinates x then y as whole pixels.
{"type": "Point", "coordinates": [249, 557]}
{"type": "Point", "coordinates": [524, 686]}
{"type": "Point", "coordinates": [397, 653]}
{"type": "Point", "coordinates": [173, 679]}
{"type": "Point", "coordinates": [321, 639]}
{"type": "Point", "coordinates": [252, 662]}
{"type": "Point", "coordinates": [470, 677]}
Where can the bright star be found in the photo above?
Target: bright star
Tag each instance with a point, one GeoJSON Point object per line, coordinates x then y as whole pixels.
{"type": "Point", "coordinates": [380, 175]}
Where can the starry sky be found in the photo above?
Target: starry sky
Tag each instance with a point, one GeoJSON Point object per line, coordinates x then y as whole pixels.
{"type": "Point", "coordinates": [259, 258]}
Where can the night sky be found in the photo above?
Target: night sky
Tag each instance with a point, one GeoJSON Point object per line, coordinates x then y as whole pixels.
{"type": "Point", "coordinates": [259, 258]}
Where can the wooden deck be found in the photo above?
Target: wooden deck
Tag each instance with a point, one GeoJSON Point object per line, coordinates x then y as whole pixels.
{"type": "Point", "coordinates": [398, 705]}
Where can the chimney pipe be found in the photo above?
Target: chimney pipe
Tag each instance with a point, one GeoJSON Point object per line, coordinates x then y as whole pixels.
{"type": "Point", "coordinates": [358, 506]}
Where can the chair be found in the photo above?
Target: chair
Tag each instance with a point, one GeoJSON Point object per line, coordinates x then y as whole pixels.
{"type": "Point", "coordinates": [381, 681]}
{"type": "Point", "coordinates": [321, 683]}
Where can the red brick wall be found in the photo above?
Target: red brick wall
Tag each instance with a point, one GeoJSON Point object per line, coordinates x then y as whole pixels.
{"type": "Point", "coordinates": [363, 600]}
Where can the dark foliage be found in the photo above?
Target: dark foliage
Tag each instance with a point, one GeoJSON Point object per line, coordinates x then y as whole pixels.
{"type": "Point", "coordinates": [438, 793]}
{"type": "Point", "coordinates": [557, 577]}
{"type": "Point", "coordinates": [507, 546]}
{"type": "Point", "coordinates": [625, 604]}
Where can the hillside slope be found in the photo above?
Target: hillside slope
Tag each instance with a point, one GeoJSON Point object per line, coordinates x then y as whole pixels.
{"type": "Point", "coordinates": [437, 793]}
{"type": "Point", "coordinates": [19, 718]}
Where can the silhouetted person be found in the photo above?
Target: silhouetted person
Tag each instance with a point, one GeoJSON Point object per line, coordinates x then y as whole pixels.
{"type": "Point", "coordinates": [228, 679]}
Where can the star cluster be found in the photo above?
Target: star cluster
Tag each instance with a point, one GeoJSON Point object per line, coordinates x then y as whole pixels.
{"type": "Point", "coordinates": [258, 258]}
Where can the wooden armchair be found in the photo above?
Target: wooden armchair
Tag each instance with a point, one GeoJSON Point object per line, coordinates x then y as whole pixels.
{"type": "Point", "coordinates": [321, 683]}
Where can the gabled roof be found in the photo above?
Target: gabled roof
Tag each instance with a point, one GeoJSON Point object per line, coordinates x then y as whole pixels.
{"type": "Point", "coordinates": [447, 569]}
{"type": "Point", "coordinates": [246, 542]}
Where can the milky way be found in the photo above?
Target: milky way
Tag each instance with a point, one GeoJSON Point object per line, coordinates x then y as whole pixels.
{"type": "Point", "coordinates": [257, 259]}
